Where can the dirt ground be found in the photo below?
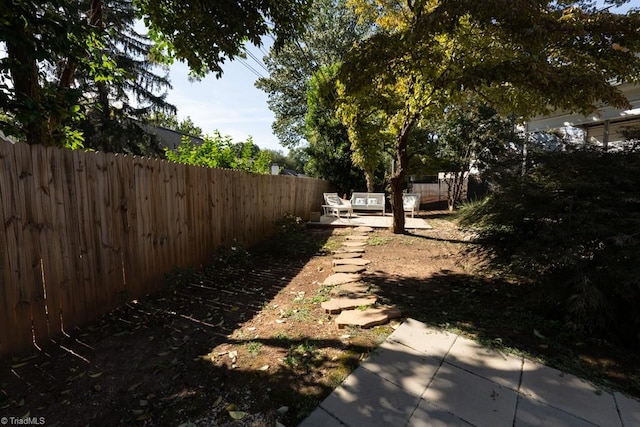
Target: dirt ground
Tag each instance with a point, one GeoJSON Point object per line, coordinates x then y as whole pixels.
{"type": "Point", "coordinates": [244, 341]}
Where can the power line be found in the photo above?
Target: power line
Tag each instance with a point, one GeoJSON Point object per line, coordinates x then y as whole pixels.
{"type": "Point", "coordinates": [259, 62]}
{"type": "Point", "coordinates": [250, 68]}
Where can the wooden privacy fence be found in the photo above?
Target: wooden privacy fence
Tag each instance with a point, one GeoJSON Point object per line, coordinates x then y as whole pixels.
{"type": "Point", "coordinates": [82, 230]}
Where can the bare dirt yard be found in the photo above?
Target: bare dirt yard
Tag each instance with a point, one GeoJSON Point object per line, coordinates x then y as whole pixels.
{"type": "Point", "coordinates": [245, 342]}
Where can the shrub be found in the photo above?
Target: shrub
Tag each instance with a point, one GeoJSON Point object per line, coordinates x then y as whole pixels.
{"type": "Point", "coordinates": [571, 224]}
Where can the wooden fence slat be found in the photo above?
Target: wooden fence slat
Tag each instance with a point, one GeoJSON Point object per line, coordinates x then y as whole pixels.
{"type": "Point", "coordinates": [47, 242]}
{"type": "Point", "coordinates": [9, 250]}
{"type": "Point", "coordinates": [30, 277]}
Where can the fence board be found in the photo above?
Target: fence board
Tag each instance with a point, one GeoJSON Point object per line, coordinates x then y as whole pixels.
{"type": "Point", "coordinates": [29, 260]}
{"type": "Point", "coordinates": [81, 230]}
{"type": "Point", "coordinates": [9, 250]}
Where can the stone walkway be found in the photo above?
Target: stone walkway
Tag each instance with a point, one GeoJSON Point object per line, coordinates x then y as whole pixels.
{"type": "Point", "coordinates": [421, 376]}
{"type": "Point", "coordinates": [352, 299]}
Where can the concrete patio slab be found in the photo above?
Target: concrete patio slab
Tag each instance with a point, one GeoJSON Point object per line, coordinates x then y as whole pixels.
{"type": "Point", "coordinates": [485, 362]}
{"type": "Point", "coordinates": [463, 391]}
{"type": "Point", "coordinates": [403, 366]}
{"type": "Point", "coordinates": [419, 336]}
{"type": "Point", "coordinates": [370, 221]}
{"type": "Point", "coordinates": [629, 409]}
{"type": "Point", "coordinates": [472, 398]}
{"type": "Point", "coordinates": [532, 413]}
{"type": "Point", "coordinates": [366, 399]}
{"type": "Point", "coordinates": [428, 415]}
{"type": "Point", "coordinates": [320, 418]}
{"type": "Point", "coordinates": [569, 393]}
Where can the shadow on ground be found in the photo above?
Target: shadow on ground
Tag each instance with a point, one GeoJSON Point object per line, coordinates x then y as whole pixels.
{"type": "Point", "coordinates": [149, 361]}
{"type": "Point", "coordinates": [507, 316]}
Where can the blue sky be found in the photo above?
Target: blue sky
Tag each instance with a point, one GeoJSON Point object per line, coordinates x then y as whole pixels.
{"type": "Point", "coordinates": [232, 104]}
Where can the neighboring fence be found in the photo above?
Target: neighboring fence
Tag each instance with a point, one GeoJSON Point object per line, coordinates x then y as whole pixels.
{"type": "Point", "coordinates": [433, 192]}
{"type": "Point", "coordinates": [83, 230]}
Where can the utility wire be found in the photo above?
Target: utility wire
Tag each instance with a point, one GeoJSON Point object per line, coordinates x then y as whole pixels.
{"type": "Point", "coordinates": [258, 61]}
{"type": "Point", "coordinates": [250, 68]}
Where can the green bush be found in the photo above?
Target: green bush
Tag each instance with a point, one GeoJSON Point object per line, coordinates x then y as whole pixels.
{"type": "Point", "coordinates": [571, 224]}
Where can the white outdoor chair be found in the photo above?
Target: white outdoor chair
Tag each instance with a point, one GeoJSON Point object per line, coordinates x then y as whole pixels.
{"type": "Point", "coordinates": [334, 205]}
{"type": "Point", "coordinates": [411, 203]}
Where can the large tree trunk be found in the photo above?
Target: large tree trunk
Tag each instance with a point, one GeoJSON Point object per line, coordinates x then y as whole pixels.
{"type": "Point", "coordinates": [397, 179]}
{"type": "Point", "coordinates": [26, 86]}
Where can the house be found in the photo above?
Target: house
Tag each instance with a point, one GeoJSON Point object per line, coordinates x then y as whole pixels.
{"type": "Point", "coordinates": [603, 128]}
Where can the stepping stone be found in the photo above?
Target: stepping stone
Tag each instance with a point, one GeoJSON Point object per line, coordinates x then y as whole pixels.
{"type": "Point", "coordinates": [353, 289]}
{"type": "Point", "coordinates": [348, 268]}
{"type": "Point", "coordinates": [357, 237]}
{"type": "Point", "coordinates": [336, 305]}
{"type": "Point", "coordinates": [351, 261]}
{"type": "Point", "coordinates": [341, 278]}
{"type": "Point", "coordinates": [349, 251]}
{"type": "Point", "coordinates": [363, 229]}
{"type": "Point", "coordinates": [354, 244]}
{"type": "Point", "coordinates": [346, 255]}
{"type": "Point", "coordinates": [366, 318]}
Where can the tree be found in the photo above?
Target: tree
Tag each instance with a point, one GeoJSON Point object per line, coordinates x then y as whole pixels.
{"type": "Point", "coordinates": [38, 38]}
{"type": "Point", "coordinates": [471, 135]}
{"type": "Point", "coordinates": [219, 151]}
{"type": "Point", "coordinates": [171, 121]}
{"type": "Point", "coordinates": [328, 35]}
{"type": "Point", "coordinates": [132, 91]}
{"type": "Point", "coordinates": [521, 56]}
{"type": "Point", "coordinates": [205, 33]}
{"type": "Point", "coordinates": [53, 47]}
{"type": "Point", "coordinates": [359, 140]}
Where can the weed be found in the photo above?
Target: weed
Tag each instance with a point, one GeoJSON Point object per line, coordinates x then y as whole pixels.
{"type": "Point", "coordinates": [378, 240]}
{"type": "Point", "coordinates": [302, 355]}
{"type": "Point", "coordinates": [235, 255]}
{"type": "Point", "coordinates": [178, 278]}
{"type": "Point", "coordinates": [302, 314]}
{"type": "Point", "coordinates": [289, 224]}
{"type": "Point", "coordinates": [329, 246]}
{"type": "Point", "coordinates": [253, 348]}
{"type": "Point", "coordinates": [282, 336]}
{"type": "Point", "coordinates": [317, 299]}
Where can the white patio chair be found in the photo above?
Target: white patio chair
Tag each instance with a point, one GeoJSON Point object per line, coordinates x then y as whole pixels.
{"type": "Point", "coordinates": [334, 205]}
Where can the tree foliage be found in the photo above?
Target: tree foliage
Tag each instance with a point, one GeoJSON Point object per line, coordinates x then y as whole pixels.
{"type": "Point", "coordinates": [523, 57]}
{"type": "Point", "coordinates": [330, 32]}
{"type": "Point", "coordinates": [471, 135]}
{"type": "Point", "coordinates": [205, 33]}
{"type": "Point", "coordinates": [356, 143]}
{"type": "Point", "coordinates": [219, 151]}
